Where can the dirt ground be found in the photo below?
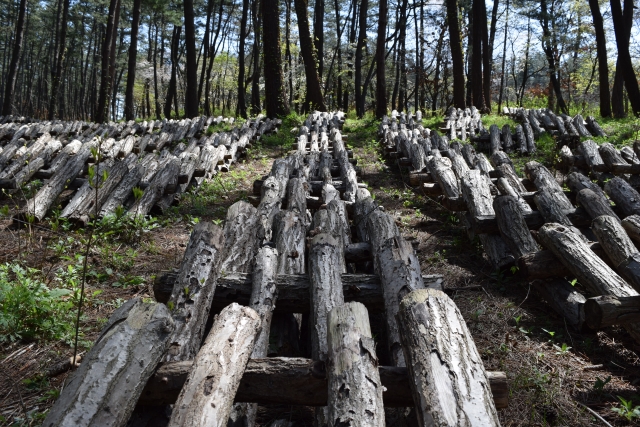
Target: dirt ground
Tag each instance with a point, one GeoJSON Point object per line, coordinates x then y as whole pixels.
{"type": "Point", "coordinates": [554, 373]}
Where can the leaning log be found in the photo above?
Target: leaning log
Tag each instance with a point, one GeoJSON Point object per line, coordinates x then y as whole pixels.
{"type": "Point", "coordinates": [563, 298]}
{"type": "Point", "coordinates": [626, 198]}
{"type": "Point", "coordinates": [620, 249]}
{"type": "Point", "coordinates": [449, 383]}
{"type": "Point", "coordinates": [354, 389]}
{"type": "Point", "coordinates": [208, 393]}
{"type": "Point", "coordinates": [631, 224]}
{"type": "Point", "coordinates": [167, 172]}
{"type": "Point", "coordinates": [194, 289]}
{"type": "Point", "coordinates": [594, 204]}
{"type": "Point", "coordinates": [607, 310]}
{"type": "Point", "coordinates": [494, 136]}
{"type": "Point", "coordinates": [294, 381]}
{"type": "Point", "coordinates": [241, 231]}
{"type": "Point", "coordinates": [106, 386]}
{"type": "Point", "coordinates": [513, 227]}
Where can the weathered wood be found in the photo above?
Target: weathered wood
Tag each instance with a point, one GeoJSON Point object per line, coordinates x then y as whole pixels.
{"type": "Point", "coordinates": [541, 265]}
{"type": "Point", "coordinates": [123, 190]}
{"type": "Point", "coordinates": [626, 198]}
{"type": "Point", "coordinates": [620, 249]}
{"type": "Point", "coordinates": [458, 164]}
{"type": "Point", "coordinates": [208, 393]}
{"type": "Point", "coordinates": [577, 181]}
{"type": "Point", "coordinates": [494, 136]}
{"type": "Point", "coordinates": [354, 389]}
{"type": "Point", "coordinates": [506, 189]}
{"type": "Point", "coordinates": [563, 299]}
{"type": "Point", "coordinates": [607, 310]}
{"type": "Point", "coordinates": [594, 127]}
{"type": "Point", "coordinates": [449, 383]}
{"type": "Point", "coordinates": [268, 207]}
{"type": "Point", "coordinates": [631, 224]}
{"type": "Point", "coordinates": [294, 381]}
{"type": "Point", "coordinates": [594, 204]}
{"type": "Point", "coordinates": [513, 227]}
{"type": "Point", "coordinates": [542, 179]}
{"type": "Point", "coordinates": [591, 154]}
{"type": "Point", "coordinates": [507, 140]}
{"type": "Point", "coordinates": [610, 156]}
{"type": "Point", "coordinates": [578, 122]}
{"type": "Point", "coordinates": [241, 238]}
{"type": "Point", "coordinates": [443, 174]}
{"type": "Point", "coordinates": [508, 172]}
{"type": "Point", "coordinates": [194, 289]}
{"type": "Point", "coordinates": [483, 165]}
{"type": "Point", "coordinates": [167, 172]}
{"type": "Point", "coordinates": [297, 192]}
{"type": "Point", "coordinates": [290, 231]}
{"type": "Point", "coordinates": [264, 295]}
{"type": "Point", "coordinates": [105, 388]}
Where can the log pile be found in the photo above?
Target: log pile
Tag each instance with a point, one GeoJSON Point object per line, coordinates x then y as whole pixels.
{"type": "Point", "coordinates": [297, 253]}
{"type": "Point", "coordinates": [162, 158]}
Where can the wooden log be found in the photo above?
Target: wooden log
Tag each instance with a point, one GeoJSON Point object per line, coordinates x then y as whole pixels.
{"type": "Point", "coordinates": [297, 192]}
{"type": "Point", "coordinates": [167, 172]}
{"type": "Point", "coordinates": [122, 191]}
{"type": "Point", "coordinates": [578, 122]}
{"type": "Point", "coordinates": [469, 154]}
{"type": "Point", "coordinates": [531, 141]}
{"type": "Point", "coordinates": [294, 381]}
{"type": "Point", "coordinates": [535, 124]}
{"type": "Point", "coordinates": [458, 164]}
{"type": "Point", "coordinates": [541, 265]}
{"type": "Point", "coordinates": [507, 140]}
{"type": "Point", "coordinates": [443, 174]}
{"type": "Point", "coordinates": [631, 224]}
{"type": "Point", "coordinates": [449, 383]}
{"type": "Point", "coordinates": [354, 389]}
{"type": "Point", "coordinates": [610, 156]}
{"type": "Point", "coordinates": [577, 181]}
{"type": "Point", "coordinates": [594, 204]}
{"type": "Point", "coordinates": [194, 289]}
{"type": "Point", "coordinates": [620, 249]}
{"type": "Point", "coordinates": [494, 136]}
{"type": "Point", "coordinates": [521, 139]}
{"type": "Point", "coordinates": [105, 388]}
{"type": "Point", "coordinates": [38, 206]}
{"type": "Point", "coordinates": [591, 154]}
{"type": "Point", "coordinates": [626, 198]}
{"type": "Point", "coordinates": [268, 207]}
{"type": "Point", "coordinates": [508, 172]}
{"type": "Point", "coordinates": [594, 127]}
{"type": "Point", "coordinates": [207, 397]}
{"type": "Point", "coordinates": [607, 310]}
{"type": "Point", "coordinates": [542, 178]}
{"type": "Point", "coordinates": [563, 299]}
{"type": "Point", "coordinates": [241, 238]}
{"type": "Point", "coordinates": [506, 189]}
{"type": "Point", "coordinates": [513, 227]}
{"type": "Point", "coordinates": [483, 165]}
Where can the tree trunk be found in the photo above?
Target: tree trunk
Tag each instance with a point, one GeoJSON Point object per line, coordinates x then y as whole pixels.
{"type": "Point", "coordinates": [102, 109]}
{"type": "Point", "coordinates": [603, 65]}
{"type": "Point", "coordinates": [12, 74]}
{"type": "Point", "coordinates": [314, 99]}
{"type": "Point", "coordinates": [275, 100]}
{"type": "Point", "coordinates": [255, 80]}
{"type": "Point", "coordinates": [318, 34]}
{"type": "Point", "coordinates": [456, 53]}
{"type": "Point", "coordinates": [622, 27]}
{"type": "Point", "coordinates": [129, 109]}
{"type": "Point", "coordinates": [112, 376]}
{"type": "Point", "coordinates": [354, 389]}
{"type": "Point", "coordinates": [207, 397]}
{"type": "Point", "coordinates": [381, 83]}
{"type": "Point", "coordinates": [549, 52]}
{"type": "Point", "coordinates": [241, 109]}
{"type": "Point", "coordinates": [360, 93]}
{"type": "Point", "coordinates": [60, 55]}
{"type": "Point", "coordinates": [191, 102]}
{"type": "Point", "coordinates": [619, 248]}
{"type": "Point", "coordinates": [443, 361]}
{"type": "Point", "coordinates": [608, 310]}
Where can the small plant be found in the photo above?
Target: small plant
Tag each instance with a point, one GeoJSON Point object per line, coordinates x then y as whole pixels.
{"type": "Point", "coordinates": [552, 334]}
{"type": "Point", "coordinates": [562, 350]}
{"type": "Point", "coordinates": [517, 320]}
{"type": "Point", "coordinates": [599, 385]}
{"type": "Point", "coordinates": [626, 409]}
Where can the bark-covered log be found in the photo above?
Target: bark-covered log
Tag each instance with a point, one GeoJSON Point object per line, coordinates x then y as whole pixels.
{"type": "Point", "coordinates": [443, 174]}
{"type": "Point", "coordinates": [521, 140]}
{"type": "Point", "coordinates": [610, 156]}
{"type": "Point", "coordinates": [269, 207]}
{"type": "Point", "coordinates": [264, 295]}
{"type": "Point", "coordinates": [594, 204]}
{"type": "Point", "coordinates": [123, 190]}
{"type": "Point", "coordinates": [577, 181]}
{"type": "Point", "coordinates": [591, 154]}
{"type": "Point", "coordinates": [458, 164]}
{"type": "Point", "coordinates": [542, 178]}
{"type": "Point", "coordinates": [294, 381]}
{"type": "Point", "coordinates": [626, 198]}
{"type": "Point", "coordinates": [354, 389]}
{"type": "Point", "coordinates": [106, 386]}
{"type": "Point", "coordinates": [594, 127]}
{"type": "Point", "coordinates": [477, 195]}
{"type": "Point", "coordinates": [194, 289]}
{"type": "Point", "coordinates": [167, 172]}
{"type": "Point", "coordinates": [483, 165]}
{"type": "Point", "coordinates": [325, 258]}
{"type": "Point", "coordinates": [241, 241]}
{"type": "Point", "coordinates": [508, 172]}
{"type": "Point", "coordinates": [506, 189]}
{"type": "Point", "coordinates": [607, 310]}
{"type": "Point", "coordinates": [631, 224]}
{"type": "Point", "coordinates": [513, 227]}
{"type": "Point", "coordinates": [578, 122]}
{"type": "Point", "coordinates": [494, 137]}
{"type": "Point", "coordinates": [531, 141]}
{"type": "Point", "coordinates": [449, 383]}
{"type": "Point", "coordinates": [297, 192]}
{"type": "Point", "coordinates": [563, 299]}
{"type": "Point", "coordinates": [290, 231]}
{"type": "Point", "coordinates": [507, 139]}
{"type": "Point", "coordinates": [208, 393]}
{"type": "Point", "coordinates": [620, 249]}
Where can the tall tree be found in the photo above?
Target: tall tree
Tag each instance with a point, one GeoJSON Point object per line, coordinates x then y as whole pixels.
{"type": "Point", "coordinates": [318, 34]}
{"type": "Point", "coordinates": [172, 90]}
{"type": "Point", "coordinates": [476, 83]}
{"type": "Point", "coordinates": [242, 105]}
{"type": "Point", "coordinates": [10, 85]}
{"type": "Point", "coordinates": [457, 61]}
{"type": "Point", "coordinates": [275, 100]}
{"type": "Point", "coordinates": [129, 111]}
{"type": "Point", "coordinates": [314, 99]}
{"type": "Point", "coordinates": [360, 93]}
{"type": "Point", "coordinates": [255, 78]}
{"type": "Point", "coordinates": [381, 50]}
{"type": "Point", "coordinates": [59, 60]}
{"type": "Point", "coordinates": [191, 102]}
{"type": "Point", "coordinates": [549, 48]}
{"type": "Point", "coordinates": [106, 77]}
{"type": "Point", "coordinates": [622, 22]}
{"type": "Point", "coordinates": [603, 66]}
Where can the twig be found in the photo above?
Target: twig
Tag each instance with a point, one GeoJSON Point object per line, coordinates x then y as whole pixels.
{"type": "Point", "coordinates": [594, 413]}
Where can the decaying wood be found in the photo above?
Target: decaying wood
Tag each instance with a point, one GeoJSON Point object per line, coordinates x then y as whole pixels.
{"type": "Point", "coordinates": [619, 248]}
{"type": "Point", "coordinates": [607, 310]}
{"type": "Point", "coordinates": [264, 295]}
{"type": "Point", "coordinates": [543, 179]}
{"type": "Point", "coordinates": [631, 224]}
{"type": "Point", "coordinates": [167, 172]}
{"type": "Point", "coordinates": [241, 238]}
{"type": "Point", "coordinates": [194, 289]}
{"type": "Point", "coordinates": [208, 393]}
{"type": "Point", "coordinates": [494, 136]}
{"type": "Point", "coordinates": [626, 198]}
{"type": "Point", "coordinates": [594, 204]}
{"type": "Point", "coordinates": [449, 382]}
{"type": "Point", "coordinates": [577, 181]}
{"type": "Point", "coordinates": [513, 227]}
{"type": "Point", "coordinates": [294, 381]}
{"type": "Point", "coordinates": [106, 386]}
{"type": "Point", "coordinates": [354, 389]}
{"type": "Point", "coordinates": [563, 299]}
{"type": "Point", "coordinates": [122, 191]}
{"type": "Point", "coordinates": [443, 174]}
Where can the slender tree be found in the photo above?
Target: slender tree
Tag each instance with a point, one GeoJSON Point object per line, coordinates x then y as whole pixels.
{"type": "Point", "coordinates": [314, 98]}
{"type": "Point", "coordinates": [106, 79]}
{"type": "Point", "coordinates": [623, 30]}
{"type": "Point", "coordinates": [457, 61]}
{"type": "Point", "coordinates": [603, 66]}
{"type": "Point", "coordinates": [549, 51]}
{"type": "Point", "coordinates": [360, 93]}
{"type": "Point", "coordinates": [381, 50]}
{"type": "Point", "coordinates": [57, 69]}
{"type": "Point", "coordinates": [129, 111]}
{"type": "Point", "coordinates": [275, 100]}
{"type": "Point", "coordinates": [242, 105]}
{"type": "Point", "coordinates": [191, 97]}
{"type": "Point", "coordinates": [318, 34]}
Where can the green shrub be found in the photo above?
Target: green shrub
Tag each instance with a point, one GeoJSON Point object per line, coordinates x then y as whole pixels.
{"type": "Point", "coordinates": [29, 309]}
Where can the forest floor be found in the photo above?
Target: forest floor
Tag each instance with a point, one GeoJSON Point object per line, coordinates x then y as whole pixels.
{"type": "Point", "coordinates": [552, 370]}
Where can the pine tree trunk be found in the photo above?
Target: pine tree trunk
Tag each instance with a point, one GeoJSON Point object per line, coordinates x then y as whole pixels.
{"type": "Point", "coordinates": [275, 100]}
{"type": "Point", "coordinates": [381, 50]}
{"type": "Point", "coordinates": [314, 99]}
{"type": "Point", "coordinates": [456, 53]}
{"type": "Point", "coordinates": [191, 96]}
{"type": "Point", "coordinates": [622, 22]}
{"type": "Point", "coordinates": [603, 65]}
{"type": "Point", "coordinates": [129, 112]}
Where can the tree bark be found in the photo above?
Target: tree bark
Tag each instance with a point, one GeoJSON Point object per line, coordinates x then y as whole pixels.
{"type": "Point", "coordinates": [513, 227]}
{"type": "Point", "coordinates": [12, 74]}
{"type": "Point", "coordinates": [362, 33]}
{"type": "Point", "coordinates": [242, 106]}
{"type": "Point", "coordinates": [191, 102]}
{"type": "Point", "coordinates": [106, 386]}
{"type": "Point", "coordinates": [456, 53]}
{"type": "Point", "coordinates": [563, 299]}
{"type": "Point", "coordinates": [607, 310]}
{"type": "Point", "coordinates": [241, 242]}
{"type": "Point", "coordinates": [619, 247]}
{"type": "Point", "coordinates": [624, 57]}
{"type": "Point", "coordinates": [381, 83]}
{"type": "Point", "coordinates": [603, 65]}
{"type": "Point", "coordinates": [626, 198]}
{"type": "Point", "coordinates": [314, 99]}
{"type": "Point", "coordinates": [129, 108]}
{"type": "Point", "coordinates": [102, 109]}
{"type": "Point", "coordinates": [443, 361]}
{"type": "Point", "coordinates": [59, 61]}
{"type": "Point", "coordinates": [354, 389]}
{"type": "Point", "coordinates": [211, 386]}
{"type": "Point", "coordinates": [275, 100]}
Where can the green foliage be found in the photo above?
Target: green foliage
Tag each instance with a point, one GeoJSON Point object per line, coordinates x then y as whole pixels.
{"type": "Point", "coordinates": [286, 137]}
{"type": "Point", "coordinates": [31, 310]}
{"type": "Point", "coordinates": [626, 409]}
{"type": "Point", "coordinates": [599, 385]}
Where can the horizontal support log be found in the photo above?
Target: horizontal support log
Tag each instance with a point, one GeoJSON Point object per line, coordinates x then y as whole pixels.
{"type": "Point", "coordinates": [294, 381]}
{"type": "Point", "coordinates": [487, 224]}
{"type": "Point", "coordinates": [608, 310]}
{"type": "Point", "coordinates": [293, 290]}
